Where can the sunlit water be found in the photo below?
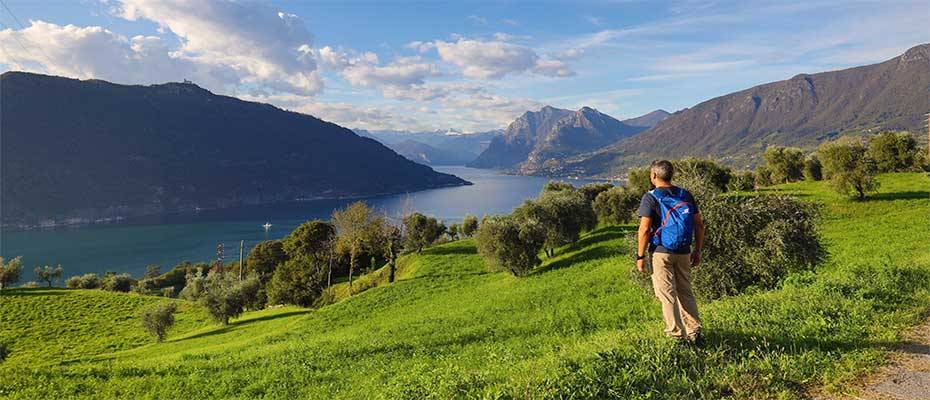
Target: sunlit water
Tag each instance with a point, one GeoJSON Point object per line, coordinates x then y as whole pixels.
{"type": "Point", "coordinates": [168, 240]}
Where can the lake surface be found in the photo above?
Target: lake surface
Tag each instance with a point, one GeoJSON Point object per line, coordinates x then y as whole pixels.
{"type": "Point", "coordinates": [170, 239]}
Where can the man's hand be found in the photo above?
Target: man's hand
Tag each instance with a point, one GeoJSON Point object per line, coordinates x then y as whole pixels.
{"type": "Point", "coordinates": [641, 265]}
{"type": "Point", "coordinates": [695, 258]}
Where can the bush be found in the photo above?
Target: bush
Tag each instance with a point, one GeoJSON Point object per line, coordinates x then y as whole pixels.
{"type": "Point", "coordinates": [10, 271]}
{"type": "Point", "coordinates": [86, 281]}
{"type": "Point", "coordinates": [553, 186]}
{"type": "Point", "coordinates": [847, 165]}
{"type": "Point", "coordinates": [709, 173]}
{"type": "Point", "coordinates": [469, 225]}
{"type": "Point", "coordinates": [422, 231]}
{"type": "Point", "coordinates": [509, 244]}
{"type": "Point", "coordinates": [117, 283]}
{"type": "Point", "coordinates": [743, 181]}
{"type": "Point", "coordinates": [299, 281]}
{"type": "Point", "coordinates": [616, 206]}
{"type": "Point", "coordinates": [48, 274]}
{"type": "Point", "coordinates": [265, 257]}
{"type": "Point", "coordinates": [764, 176]}
{"type": "Point", "coordinates": [894, 152]}
{"type": "Point", "coordinates": [223, 295]}
{"type": "Point", "coordinates": [158, 318]}
{"type": "Point", "coordinates": [813, 168]}
{"type": "Point", "coordinates": [562, 215]}
{"type": "Point", "coordinates": [756, 242]}
{"type": "Point", "coordinates": [638, 180]}
{"type": "Point", "coordinates": [592, 190]}
{"type": "Point", "coordinates": [786, 164]}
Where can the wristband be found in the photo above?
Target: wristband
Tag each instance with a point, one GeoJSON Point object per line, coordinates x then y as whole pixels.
{"type": "Point", "coordinates": [640, 257]}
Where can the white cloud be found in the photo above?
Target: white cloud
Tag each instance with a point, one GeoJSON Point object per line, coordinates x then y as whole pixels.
{"type": "Point", "coordinates": [403, 71]}
{"type": "Point", "coordinates": [256, 42]}
{"type": "Point", "coordinates": [495, 59]}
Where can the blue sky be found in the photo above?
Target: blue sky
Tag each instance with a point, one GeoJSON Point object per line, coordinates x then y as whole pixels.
{"type": "Point", "coordinates": [461, 65]}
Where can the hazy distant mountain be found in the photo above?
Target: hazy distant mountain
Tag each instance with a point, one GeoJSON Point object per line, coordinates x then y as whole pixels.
{"type": "Point", "coordinates": [428, 155]}
{"type": "Point", "coordinates": [532, 140]}
{"type": "Point", "coordinates": [802, 111]}
{"type": "Point", "coordinates": [648, 120]}
{"type": "Point", "coordinates": [465, 146]}
{"type": "Point", "coordinates": [91, 149]}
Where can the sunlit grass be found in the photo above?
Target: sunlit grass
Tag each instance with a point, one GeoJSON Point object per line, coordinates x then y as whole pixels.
{"type": "Point", "coordinates": [582, 325]}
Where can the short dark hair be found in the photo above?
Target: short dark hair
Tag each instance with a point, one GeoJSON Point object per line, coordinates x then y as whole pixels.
{"type": "Point", "coordinates": [663, 170]}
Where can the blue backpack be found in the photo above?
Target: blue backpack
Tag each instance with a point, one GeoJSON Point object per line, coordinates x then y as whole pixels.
{"type": "Point", "coordinates": [677, 216]}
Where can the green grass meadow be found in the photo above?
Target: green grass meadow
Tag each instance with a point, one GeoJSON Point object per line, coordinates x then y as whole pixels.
{"type": "Point", "coordinates": [581, 326]}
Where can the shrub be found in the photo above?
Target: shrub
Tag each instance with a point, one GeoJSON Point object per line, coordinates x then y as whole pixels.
{"type": "Point", "coordinates": [638, 180]}
{"type": "Point", "coordinates": [299, 281]}
{"type": "Point", "coordinates": [223, 295]}
{"type": "Point", "coordinates": [813, 168]}
{"type": "Point", "coordinates": [309, 239]}
{"type": "Point", "coordinates": [553, 186]}
{"type": "Point", "coordinates": [469, 225]}
{"type": "Point", "coordinates": [10, 271]}
{"type": "Point", "coordinates": [756, 242]}
{"type": "Point", "coordinates": [453, 231]}
{"type": "Point", "coordinates": [117, 282]}
{"type": "Point", "coordinates": [764, 176]}
{"type": "Point", "coordinates": [152, 271]}
{"type": "Point", "coordinates": [509, 244]}
{"type": "Point", "coordinates": [422, 231]}
{"type": "Point", "coordinates": [592, 190]}
{"type": "Point", "coordinates": [562, 215]}
{"type": "Point", "coordinates": [786, 164]}
{"type": "Point", "coordinates": [743, 181]}
{"type": "Point", "coordinates": [48, 274]}
{"type": "Point", "coordinates": [847, 165]}
{"type": "Point", "coordinates": [616, 206]}
{"type": "Point", "coordinates": [158, 318]}
{"type": "Point", "coordinates": [893, 151]}
{"type": "Point", "coordinates": [710, 173]}
{"type": "Point", "coordinates": [86, 281]}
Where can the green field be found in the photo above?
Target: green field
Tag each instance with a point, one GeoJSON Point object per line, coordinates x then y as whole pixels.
{"type": "Point", "coordinates": [582, 326]}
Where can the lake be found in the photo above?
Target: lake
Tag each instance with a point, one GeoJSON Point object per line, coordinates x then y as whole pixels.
{"type": "Point", "coordinates": [170, 239]}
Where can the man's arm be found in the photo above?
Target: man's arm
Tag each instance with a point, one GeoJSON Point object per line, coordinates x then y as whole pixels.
{"type": "Point", "coordinates": [698, 240]}
{"type": "Point", "coordinates": [645, 223]}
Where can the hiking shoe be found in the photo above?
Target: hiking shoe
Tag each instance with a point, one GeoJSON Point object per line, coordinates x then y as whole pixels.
{"type": "Point", "coordinates": [698, 340]}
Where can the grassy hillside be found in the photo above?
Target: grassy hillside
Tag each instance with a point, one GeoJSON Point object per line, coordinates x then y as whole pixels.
{"type": "Point", "coordinates": [583, 325]}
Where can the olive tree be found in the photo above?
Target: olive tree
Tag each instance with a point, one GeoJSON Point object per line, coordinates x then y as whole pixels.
{"type": "Point", "coordinates": [510, 244]}
{"type": "Point", "coordinates": [10, 271]}
{"type": "Point", "coordinates": [86, 281]}
{"type": "Point", "coordinates": [158, 318]}
{"type": "Point", "coordinates": [592, 190]}
{"type": "Point", "coordinates": [786, 164]}
{"type": "Point", "coordinates": [309, 239]}
{"type": "Point", "coordinates": [223, 295]}
{"type": "Point", "coordinates": [893, 151]}
{"type": "Point", "coordinates": [562, 215]}
{"type": "Point", "coordinates": [422, 231]}
{"type": "Point", "coordinates": [358, 229]}
{"type": "Point", "coordinates": [469, 225]}
{"type": "Point", "coordinates": [847, 165]}
{"type": "Point", "coordinates": [264, 258]}
{"type": "Point", "coordinates": [616, 206]}
{"type": "Point", "coordinates": [638, 180]}
{"type": "Point", "coordinates": [48, 274]}
{"type": "Point", "coordinates": [555, 186]}
{"type": "Point", "coordinates": [709, 172]}
{"type": "Point", "coordinates": [813, 169]}
{"type": "Point", "coordinates": [742, 181]}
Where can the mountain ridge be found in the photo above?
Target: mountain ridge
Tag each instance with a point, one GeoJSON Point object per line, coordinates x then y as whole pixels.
{"type": "Point", "coordinates": [79, 151]}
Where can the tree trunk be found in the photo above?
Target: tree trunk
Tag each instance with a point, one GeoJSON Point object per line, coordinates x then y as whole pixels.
{"type": "Point", "coordinates": [392, 267]}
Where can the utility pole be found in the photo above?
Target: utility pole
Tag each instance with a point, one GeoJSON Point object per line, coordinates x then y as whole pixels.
{"type": "Point", "coordinates": [241, 245]}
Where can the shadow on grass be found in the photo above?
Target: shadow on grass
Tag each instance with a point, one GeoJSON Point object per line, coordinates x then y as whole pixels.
{"type": "Point", "coordinates": [227, 328]}
{"type": "Point", "coordinates": [909, 195]}
{"type": "Point", "coordinates": [33, 292]}
{"type": "Point", "coordinates": [588, 252]}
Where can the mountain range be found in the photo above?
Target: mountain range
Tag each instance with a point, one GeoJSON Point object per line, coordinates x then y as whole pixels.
{"type": "Point", "coordinates": [82, 150]}
{"type": "Point", "coordinates": [435, 148]}
{"type": "Point", "coordinates": [539, 138]}
{"type": "Point", "coordinates": [802, 111]}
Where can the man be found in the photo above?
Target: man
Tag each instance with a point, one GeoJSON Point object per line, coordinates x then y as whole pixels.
{"type": "Point", "coordinates": [669, 217]}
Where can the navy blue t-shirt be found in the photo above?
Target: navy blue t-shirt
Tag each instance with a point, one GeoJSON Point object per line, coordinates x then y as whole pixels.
{"type": "Point", "coordinates": [649, 207]}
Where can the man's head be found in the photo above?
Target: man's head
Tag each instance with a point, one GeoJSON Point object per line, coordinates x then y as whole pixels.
{"type": "Point", "coordinates": [661, 172]}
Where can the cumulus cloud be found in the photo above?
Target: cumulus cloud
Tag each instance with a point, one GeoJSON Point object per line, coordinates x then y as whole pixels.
{"type": "Point", "coordinates": [92, 52]}
{"type": "Point", "coordinates": [404, 71]}
{"type": "Point", "coordinates": [495, 59]}
{"type": "Point", "coordinates": [255, 42]}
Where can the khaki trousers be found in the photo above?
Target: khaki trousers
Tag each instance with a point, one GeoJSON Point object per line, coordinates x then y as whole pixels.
{"type": "Point", "coordinates": [671, 280]}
